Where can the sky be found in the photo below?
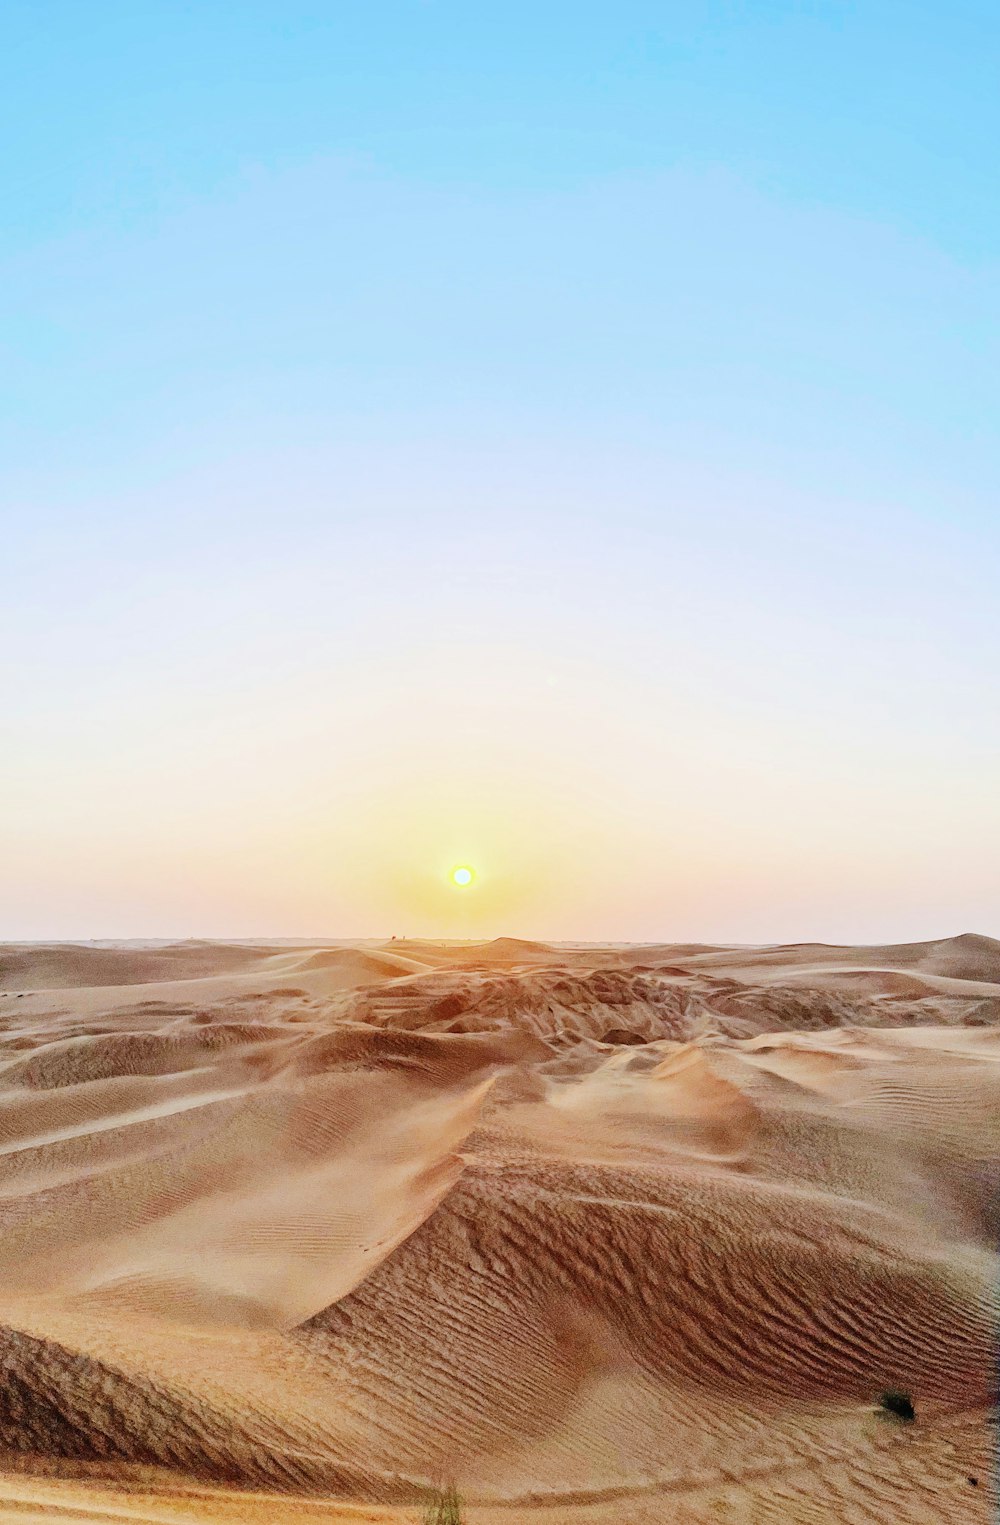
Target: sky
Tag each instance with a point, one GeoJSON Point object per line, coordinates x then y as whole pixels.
{"type": "Point", "coordinates": [553, 438]}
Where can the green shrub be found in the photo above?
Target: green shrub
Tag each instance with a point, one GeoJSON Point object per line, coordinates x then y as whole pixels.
{"type": "Point", "coordinates": [899, 1404]}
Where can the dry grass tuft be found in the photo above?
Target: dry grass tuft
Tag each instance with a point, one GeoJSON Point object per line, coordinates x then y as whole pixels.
{"type": "Point", "coordinates": [444, 1509]}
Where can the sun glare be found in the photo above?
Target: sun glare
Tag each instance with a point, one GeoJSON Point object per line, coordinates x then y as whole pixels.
{"type": "Point", "coordinates": [462, 877]}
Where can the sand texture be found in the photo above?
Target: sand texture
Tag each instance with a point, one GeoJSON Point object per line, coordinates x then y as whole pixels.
{"type": "Point", "coordinates": [636, 1234]}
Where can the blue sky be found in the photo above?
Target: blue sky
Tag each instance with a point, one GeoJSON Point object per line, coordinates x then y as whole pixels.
{"type": "Point", "coordinates": [563, 435]}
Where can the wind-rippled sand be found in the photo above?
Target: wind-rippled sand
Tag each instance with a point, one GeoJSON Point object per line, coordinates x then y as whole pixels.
{"type": "Point", "coordinates": [624, 1234]}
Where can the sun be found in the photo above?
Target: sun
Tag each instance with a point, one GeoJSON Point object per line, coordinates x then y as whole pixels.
{"type": "Point", "coordinates": [462, 876]}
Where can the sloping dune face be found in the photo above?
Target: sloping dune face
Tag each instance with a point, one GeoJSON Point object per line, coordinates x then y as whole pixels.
{"type": "Point", "coordinates": [600, 1234]}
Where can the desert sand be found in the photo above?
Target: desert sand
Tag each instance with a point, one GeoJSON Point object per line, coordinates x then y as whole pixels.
{"type": "Point", "coordinates": [630, 1234]}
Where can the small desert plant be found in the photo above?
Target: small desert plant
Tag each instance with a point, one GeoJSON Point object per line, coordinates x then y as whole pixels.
{"type": "Point", "coordinates": [444, 1509]}
{"type": "Point", "coordinates": [899, 1404]}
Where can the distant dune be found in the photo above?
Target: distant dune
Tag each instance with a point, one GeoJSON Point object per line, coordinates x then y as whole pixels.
{"type": "Point", "coordinates": [603, 1234]}
{"type": "Point", "coordinates": [65, 965]}
{"type": "Point", "coordinates": [967, 957]}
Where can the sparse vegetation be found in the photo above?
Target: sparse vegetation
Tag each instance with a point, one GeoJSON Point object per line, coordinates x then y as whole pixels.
{"type": "Point", "coordinates": [894, 1401]}
{"type": "Point", "coordinates": [444, 1509]}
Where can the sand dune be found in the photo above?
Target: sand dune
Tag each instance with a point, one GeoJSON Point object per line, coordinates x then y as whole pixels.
{"type": "Point", "coordinates": [966, 957]}
{"type": "Point", "coordinates": [58, 965]}
{"type": "Point", "coordinates": [604, 1234]}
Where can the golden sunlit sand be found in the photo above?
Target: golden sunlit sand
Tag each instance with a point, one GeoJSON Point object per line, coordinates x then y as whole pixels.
{"type": "Point", "coordinates": [626, 1233]}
